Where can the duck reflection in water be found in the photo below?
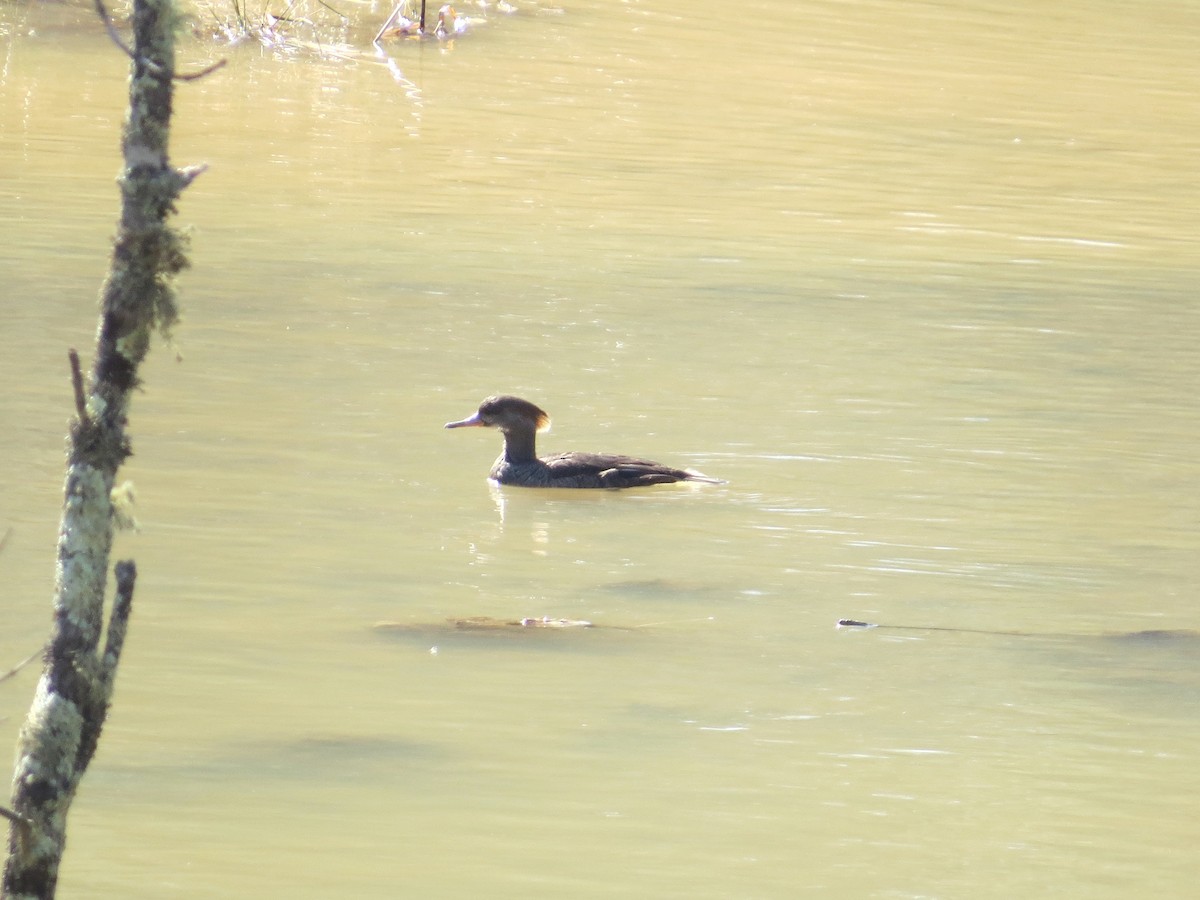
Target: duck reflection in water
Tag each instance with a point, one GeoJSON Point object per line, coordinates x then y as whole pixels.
{"type": "Point", "coordinates": [520, 421]}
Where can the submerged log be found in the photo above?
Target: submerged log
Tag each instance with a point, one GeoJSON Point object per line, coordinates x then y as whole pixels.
{"type": "Point", "coordinates": [482, 623]}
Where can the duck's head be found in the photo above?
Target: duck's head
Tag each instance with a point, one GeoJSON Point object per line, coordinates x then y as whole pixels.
{"type": "Point", "coordinates": [506, 413]}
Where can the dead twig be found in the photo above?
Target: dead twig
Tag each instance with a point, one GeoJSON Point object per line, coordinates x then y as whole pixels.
{"type": "Point", "coordinates": [390, 19]}
{"type": "Point", "coordinates": [7, 813]}
{"type": "Point", "coordinates": [207, 70]}
{"type": "Point", "coordinates": [102, 11]}
{"type": "Point", "coordinates": [401, 11]}
{"type": "Point", "coordinates": [154, 67]}
{"type": "Point", "coordinates": [336, 12]}
{"type": "Point", "coordinates": [19, 666]}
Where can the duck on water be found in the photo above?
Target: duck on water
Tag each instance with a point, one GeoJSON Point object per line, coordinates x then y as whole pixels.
{"type": "Point", "coordinates": [520, 421]}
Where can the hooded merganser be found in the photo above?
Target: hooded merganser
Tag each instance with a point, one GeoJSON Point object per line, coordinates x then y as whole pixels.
{"type": "Point", "coordinates": [519, 421]}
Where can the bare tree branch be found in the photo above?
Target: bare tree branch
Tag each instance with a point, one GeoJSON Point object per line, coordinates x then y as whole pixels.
{"type": "Point", "coordinates": [75, 690]}
{"type": "Point", "coordinates": [207, 70]}
{"type": "Point", "coordinates": [19, 666]}
{"type": "Point", "coordinates": [112, 29]}
{"type": "Point", "coordinates": [102, 11]}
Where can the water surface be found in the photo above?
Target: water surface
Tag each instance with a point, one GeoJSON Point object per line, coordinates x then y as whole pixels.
{"type": "Point", "coordinates": [918, 281]}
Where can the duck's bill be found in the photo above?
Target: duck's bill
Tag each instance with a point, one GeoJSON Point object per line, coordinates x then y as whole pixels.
{"type": "Point", "coordinates": [469, 422]}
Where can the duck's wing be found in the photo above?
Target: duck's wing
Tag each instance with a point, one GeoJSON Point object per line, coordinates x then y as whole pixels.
{"type": "Point", "coordinates": [640, 476]}
{"type": "Point", "coordinates": [612, 471]}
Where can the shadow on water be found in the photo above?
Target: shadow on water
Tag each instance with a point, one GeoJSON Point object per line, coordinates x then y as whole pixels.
{"type": "Point", "coordinates": [1154, 637]}
{"type": "Point", "coordinates": [1155, 671]}
{"type": "Point", "coordinates": [667, 589]}
{"type": "Point", "coordinates": [327, 758]}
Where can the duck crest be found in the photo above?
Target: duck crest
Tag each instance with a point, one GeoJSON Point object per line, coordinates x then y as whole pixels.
{"type": "Point", "coordinates": [494, 407]}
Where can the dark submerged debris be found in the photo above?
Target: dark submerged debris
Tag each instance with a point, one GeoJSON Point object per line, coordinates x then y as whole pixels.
{"type": "Point", "coordinates": [483, 623]}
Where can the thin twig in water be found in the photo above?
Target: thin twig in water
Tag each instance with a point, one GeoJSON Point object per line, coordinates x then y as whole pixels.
{"type": "Point", "coordinates": [207, 70]}
{"type": "Point", "coordinates": [332, 10]}
{"type": "Point", "coordinates": [112, 29]}
{"type": "Point", "coordinates": [19, 666]}
{"type": "Point", "coordinates": [390, 19]}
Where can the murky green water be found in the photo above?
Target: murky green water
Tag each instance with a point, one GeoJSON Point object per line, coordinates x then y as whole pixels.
{"type": "Point", "coordinates": [918, 281]}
